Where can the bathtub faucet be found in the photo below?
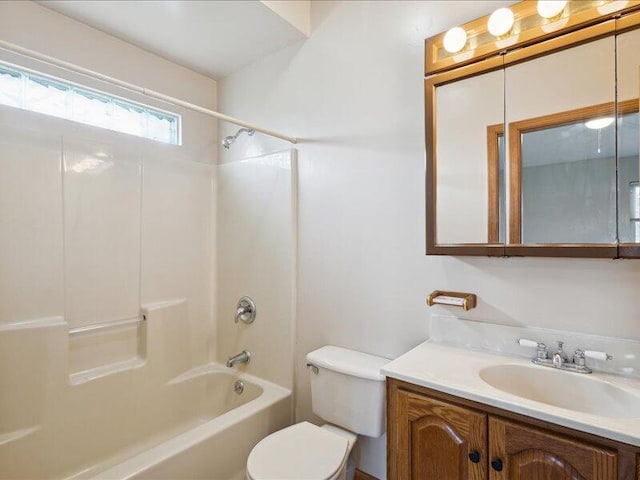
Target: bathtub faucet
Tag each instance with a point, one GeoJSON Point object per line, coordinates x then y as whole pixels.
{"type": "Point", "coordinates": [243, 357]}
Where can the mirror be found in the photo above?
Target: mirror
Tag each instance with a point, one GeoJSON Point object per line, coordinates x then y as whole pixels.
{"type": "Point", "coordinates": [562, 147]}
{"type": "Point", "coordinates": [467, 174]}
{"type": "Point", "coordinates": [628, 45]}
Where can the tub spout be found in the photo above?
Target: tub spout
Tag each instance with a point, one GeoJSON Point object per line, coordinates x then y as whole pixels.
{"type": "Point", "coordinates": [243, 357]}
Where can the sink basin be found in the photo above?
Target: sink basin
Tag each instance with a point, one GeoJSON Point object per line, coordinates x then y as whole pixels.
{"type": "Point", "coordinates": [571, 391]}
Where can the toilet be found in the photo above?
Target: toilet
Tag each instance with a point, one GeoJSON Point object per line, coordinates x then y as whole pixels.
{"type": "Point", "coordinates": [348, 392]}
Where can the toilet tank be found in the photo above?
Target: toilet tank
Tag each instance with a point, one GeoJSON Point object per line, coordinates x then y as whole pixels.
{"type": "Point", "coordinates": [348, 389]}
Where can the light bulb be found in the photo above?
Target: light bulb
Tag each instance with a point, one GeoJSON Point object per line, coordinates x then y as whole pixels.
{"type": "Point", "coordinates": [500, 22]}
{"type": "Point", "coordinates": [551, 8]}
{"type": "Point", "coordinates": [611, 7]}
{"type": "Point", "coordinates": [598, 123]}
{"type": "Point", "coordinates": [455, 40]}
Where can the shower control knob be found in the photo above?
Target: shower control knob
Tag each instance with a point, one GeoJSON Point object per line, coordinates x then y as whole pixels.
{"type": "Point", "coordinates": [245, 310]}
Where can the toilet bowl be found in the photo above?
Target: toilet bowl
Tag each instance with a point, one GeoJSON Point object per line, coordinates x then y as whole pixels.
{"type": "Point", "coordinates": [302, 452]}
{"type": "Point", "coordinates": [347, 389]}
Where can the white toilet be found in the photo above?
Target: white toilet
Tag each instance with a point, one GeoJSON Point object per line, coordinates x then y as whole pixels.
{"type": "Point", "coordinates": [347, 390]}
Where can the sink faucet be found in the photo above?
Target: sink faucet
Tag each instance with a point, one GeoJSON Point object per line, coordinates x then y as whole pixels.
{"type": "Point", "coordinates": [242, 357]}
{"type": "Point", "coordinates": [560, 358]}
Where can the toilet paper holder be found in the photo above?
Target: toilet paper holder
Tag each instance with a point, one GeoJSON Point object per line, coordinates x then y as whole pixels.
{"type": "Point", "coordinates": [466, 301]}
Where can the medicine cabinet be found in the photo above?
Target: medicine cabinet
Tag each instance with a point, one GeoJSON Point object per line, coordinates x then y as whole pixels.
{"type": "Point", "coordinates": [532, 137]}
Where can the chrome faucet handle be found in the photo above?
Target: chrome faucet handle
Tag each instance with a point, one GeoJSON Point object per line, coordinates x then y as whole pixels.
{"type": "Point", "coordinates": [245, 310]}
{"type": "Point", "coordinates": [597, 355]}
{"type": "Point", "coordinates": [541, 353]}
{"type": "Point", "coordinates": [579, 358]}
{"type": "Point", "coordinates": [239, 312]}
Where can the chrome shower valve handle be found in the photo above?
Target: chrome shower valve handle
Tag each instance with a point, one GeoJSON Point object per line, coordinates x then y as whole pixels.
{"type": "Point", "coordinates": [245, 310]}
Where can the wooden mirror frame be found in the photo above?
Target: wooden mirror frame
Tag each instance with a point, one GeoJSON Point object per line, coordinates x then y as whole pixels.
{"type": "Point", "coordinates": [431, 84]}
{"type": "Point", "coordinates": [590, 29]}
{"type": "Point", "coordinates": [494, 133]}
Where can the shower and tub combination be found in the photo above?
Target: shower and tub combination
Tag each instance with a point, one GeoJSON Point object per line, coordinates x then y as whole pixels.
{"type": "Point", "coordinates": [165, 411]}
{"type": "Point", "coordinates": [114, 332]}
{"type": "Point", "coordinates": [142, 397]}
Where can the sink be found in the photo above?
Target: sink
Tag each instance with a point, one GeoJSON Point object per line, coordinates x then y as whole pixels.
{"type": "Point", "coordinates": [572, 391]}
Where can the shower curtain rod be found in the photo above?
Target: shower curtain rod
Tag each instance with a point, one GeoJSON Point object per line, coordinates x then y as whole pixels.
{"type": "Point", "coordinates": [141, 90]}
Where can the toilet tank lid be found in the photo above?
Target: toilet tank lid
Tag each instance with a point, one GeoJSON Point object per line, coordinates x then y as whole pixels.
{"type": "Point", "coordinates": [349, 362]}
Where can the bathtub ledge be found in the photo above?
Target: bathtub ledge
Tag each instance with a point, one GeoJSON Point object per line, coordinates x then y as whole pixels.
{"type": "Point", "coordinates": [104, 370]}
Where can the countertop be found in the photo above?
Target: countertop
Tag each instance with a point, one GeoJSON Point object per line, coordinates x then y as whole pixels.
{"type": "Point", "coordinates": [456, 371]}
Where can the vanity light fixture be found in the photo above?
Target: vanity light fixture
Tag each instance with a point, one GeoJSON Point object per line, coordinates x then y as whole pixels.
{"type": "Point", "coordinates": [500, 22]}
{"type": "Point", "coordinates": [551, 8]}
{"type": "Point", "coordinates": [598, 123]}
{"type": "Point", "coordinates": [454, 40]}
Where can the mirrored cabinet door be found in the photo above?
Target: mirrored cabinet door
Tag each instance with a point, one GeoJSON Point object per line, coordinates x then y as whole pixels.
{"type": "Point", "coordinates": [464, 160]}
{"type": "Point", "coordinates": [628, 51]}
{"type": "Point", "coordinates": [561, 152]}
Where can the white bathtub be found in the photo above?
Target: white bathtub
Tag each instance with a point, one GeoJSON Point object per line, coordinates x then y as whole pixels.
{"type": "Point", "coordinates": [153, 416]}
{"type": "Point", "coordinates": [217, 446]}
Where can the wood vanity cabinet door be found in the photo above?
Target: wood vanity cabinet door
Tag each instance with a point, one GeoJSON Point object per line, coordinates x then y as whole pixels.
{"type": "Point", "coordinates": [518, 452]}
{"type": "Point", "coordinates": [434, 440]}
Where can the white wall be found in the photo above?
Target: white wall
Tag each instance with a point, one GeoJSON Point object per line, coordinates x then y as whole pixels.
{"type": "Point", "coordinates": [354, 93]}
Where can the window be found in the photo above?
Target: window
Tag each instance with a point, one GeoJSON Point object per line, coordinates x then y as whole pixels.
{"type": "Point", "coordinates": [38, 93]}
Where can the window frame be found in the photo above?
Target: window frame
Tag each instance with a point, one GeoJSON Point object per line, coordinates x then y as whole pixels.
{"type": "Point", "coordinates": [73, 90]}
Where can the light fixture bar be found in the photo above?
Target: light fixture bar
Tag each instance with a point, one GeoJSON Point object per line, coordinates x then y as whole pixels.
{"type": "Point", "coordinates": [519, 25]}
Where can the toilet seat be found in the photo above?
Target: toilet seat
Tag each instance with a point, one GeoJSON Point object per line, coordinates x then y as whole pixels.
{"type": "Point", "coordinates": [300, 452]}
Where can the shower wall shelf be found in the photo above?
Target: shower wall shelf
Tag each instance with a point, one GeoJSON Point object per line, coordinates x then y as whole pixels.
{"type": "Point", "coordinates": [466, 301]}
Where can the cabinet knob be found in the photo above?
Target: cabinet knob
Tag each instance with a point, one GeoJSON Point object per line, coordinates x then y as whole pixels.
{"type": "Point", "coordinates": [474, 456]}
{"type": "Point", "coordinates": [496, 464]}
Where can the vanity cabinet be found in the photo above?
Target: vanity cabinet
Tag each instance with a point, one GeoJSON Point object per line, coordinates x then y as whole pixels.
{"type": "Point", "coordinates": [435, 436]}
{"type": "Point", "coordinates": [440, 440]}
{"type": "Point", "coordinates": [522, 452]}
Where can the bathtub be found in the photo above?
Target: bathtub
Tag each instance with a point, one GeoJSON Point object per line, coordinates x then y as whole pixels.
{"type": "Point", "coordinates": [213, 446]}
{"type": "Point", "coordinates": [194, 426]}
{"type": "Point", "coordinates": [152, 416]}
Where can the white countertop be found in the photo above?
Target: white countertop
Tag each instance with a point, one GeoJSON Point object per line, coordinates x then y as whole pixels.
{"type": "Point", "coordinates": [455, 371]}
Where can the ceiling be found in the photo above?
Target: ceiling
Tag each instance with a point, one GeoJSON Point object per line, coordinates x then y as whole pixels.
{"type": "Point", "coordinates": [215, 38]}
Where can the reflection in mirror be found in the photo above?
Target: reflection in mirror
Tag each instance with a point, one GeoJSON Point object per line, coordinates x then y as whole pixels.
{"type": "Point", "coordinates": [634, 188]}
{"type": "Point", "coordinates": [628, 45]}
{"type": "Point", "coordinates": [567, 165]}
{"type": "Point", "coordinates": [628, 185]}
{"type": "Point", "coordinates": [561, 137]}
{"type": "Point", "coordinates": [497, 221]}
{"type": "Point", "coordinates": [465, 180]}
